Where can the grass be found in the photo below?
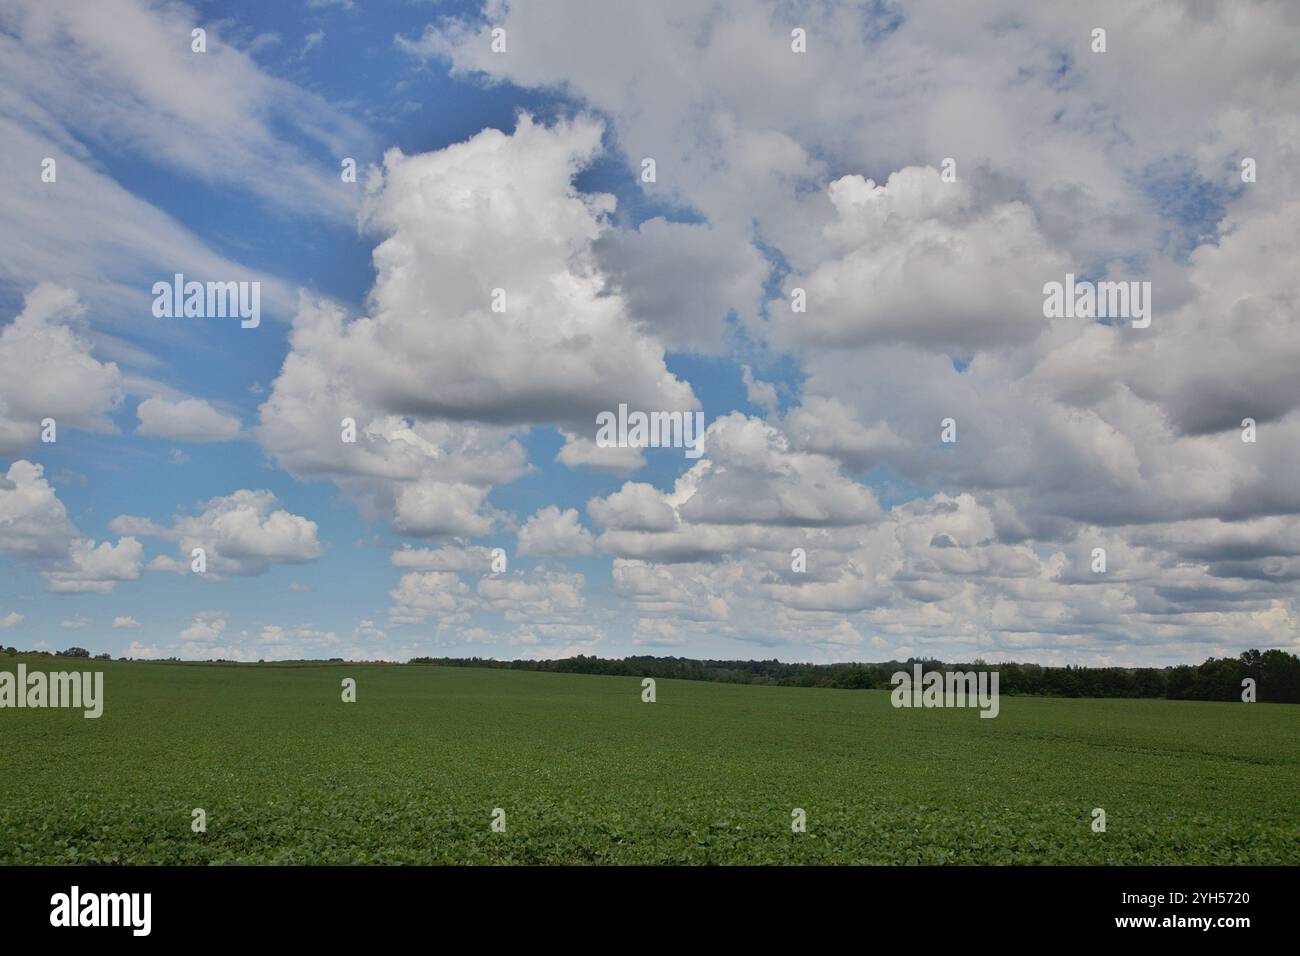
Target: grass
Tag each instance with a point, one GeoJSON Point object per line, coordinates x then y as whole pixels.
{"type": "Point", "coordinates": [587, 773]}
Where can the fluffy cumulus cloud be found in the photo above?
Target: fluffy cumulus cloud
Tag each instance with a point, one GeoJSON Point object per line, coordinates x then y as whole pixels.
{"type": "Point", "coordinates": [749, 490]}
{"type": "Point", "coordinates": [828, 426]}
{"type": "Point", "coordinates": [543, 597]}
{"type": "Point", "coordinates": [886, 245]}
{"type": "Point", "coordinates": [207, 627]}
{"type": "Point", "coordinates": [489, 312]}
{"type": "Point", "coordinates": [582, 451]}
{"type": "Point", "coordinates": [488, 303]}
{"type": "Point", "coordinates": [420, 594]}
{"type": "Point", "coordinates": [299, 640]}
{"type": "Point", "coordinates": [456, 556]}
{"type": "Point", "coordinates": [73, 388]}
{"type": "Point", "coordinates": [924, 302]}
{"type": "Point", "coordinates": [33, 521]}
{"type": "Point", "coordinates": [34, 526]}
{"type": "Point", "coordinates": [427, 477]}
{"type": "Point", "coordinates": [457, 605]}
{"type": "Point", "coordinates": [97, 567]}
{"type": "Point", "coordinates": [241, 534]}
{"type": "Point", "coordinates": [449, 599]}
{"type": "Point", "coordinates": [190, 419]}
{"type": "Point", "coordinates": [210, 635]}
{"type": "Point", "coordinates": [555, 532]}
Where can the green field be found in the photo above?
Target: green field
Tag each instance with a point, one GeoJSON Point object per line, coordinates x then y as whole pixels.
{"type": "Point", "coordinates": [587, 773]}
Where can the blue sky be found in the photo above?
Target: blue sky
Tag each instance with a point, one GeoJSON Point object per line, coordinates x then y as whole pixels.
{"type": "Point", "coordinates": [776, 170]}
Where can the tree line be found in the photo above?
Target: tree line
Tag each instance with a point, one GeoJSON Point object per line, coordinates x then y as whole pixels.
{"type": "Point", "coordinates": [1276, 674]}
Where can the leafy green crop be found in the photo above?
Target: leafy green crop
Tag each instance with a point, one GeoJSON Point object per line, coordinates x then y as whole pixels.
{"type": "Point", "coordinates": [587, 773]}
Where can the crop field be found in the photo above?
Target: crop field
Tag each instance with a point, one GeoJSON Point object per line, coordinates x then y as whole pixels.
{"type": "Point", "coordinates": [585, 772]}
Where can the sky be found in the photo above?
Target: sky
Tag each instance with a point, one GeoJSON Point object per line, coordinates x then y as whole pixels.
{"type": "Point", "coordinates": [840, 260]}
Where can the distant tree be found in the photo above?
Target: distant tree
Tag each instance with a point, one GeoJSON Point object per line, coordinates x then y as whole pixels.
{"type": "Point", "coordinates": [1180, 682]}
{"type": "Point", "coordinates": [856, 678]}
{"type": "Point", "coordinates": [1279, 678]}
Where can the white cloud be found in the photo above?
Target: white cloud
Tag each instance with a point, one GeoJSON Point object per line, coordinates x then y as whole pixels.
{"type": "Point", "coordinates": [582, 451]}
{"type": "Point", "coordinates": [508, 217]}
{"type": "Point", "coordinates": [634, 507]}
{"type": "Point", "coordinates": [532, 600]}
{"type": "Point", "coordinates": [748, 487]}
{"type": "Point", "coordinates": [554, 532]}
{"type": "Point", "coordinates": [121, 73]}
{"type": "Point", "coordinates": [33, 521]}
{"type": "Point", "coordinates": [190, 419]}
{"type": "Point", "coordinates": [433, 361]}
{"type": "Point", "coordinates": [207, 627]}
{"type": "Point", "coordinates": [452, 557]}
{"type": "Point", "coordinates": [121, 79]}
{"type": "Point", "coordinates": [12, 619]}
{"type": "Point", "coordinates": [96, 568]}
{"type": "Point", "coordinates": [299, 640]}
{"type": "Point", "coordinates": [421, 594]}
{"type": "Point", "coordinates": [922, 261]}
{"type": "Point", "coordinates": [301, 427]}
{"type": "Point", "coordinates": [128, 623]}
{"type": "Point", "coordinates": [242, 534]}
{"type": "Point", "coordinates": [71, 387]}
{"type": "Point", "coordinates": [537, 598]}
{"type": "Point", "coordinates": [436, 508]}
{"type": "Point", "coordinates": [34, 525]}
{"type": "Point", "coordinates": [758, 392]}
{"type": "Point", "coordinates": [827, 426]}
{"type": "Point", "coordinates": [433, 347]}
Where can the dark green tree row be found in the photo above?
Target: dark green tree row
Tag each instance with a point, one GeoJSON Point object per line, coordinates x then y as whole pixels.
{"type": "Point", "coordinates": [1276, 675]}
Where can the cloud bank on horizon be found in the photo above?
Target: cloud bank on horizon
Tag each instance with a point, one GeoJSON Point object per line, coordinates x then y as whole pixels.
{"type": "Point", "coordinates": [830, 230]}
